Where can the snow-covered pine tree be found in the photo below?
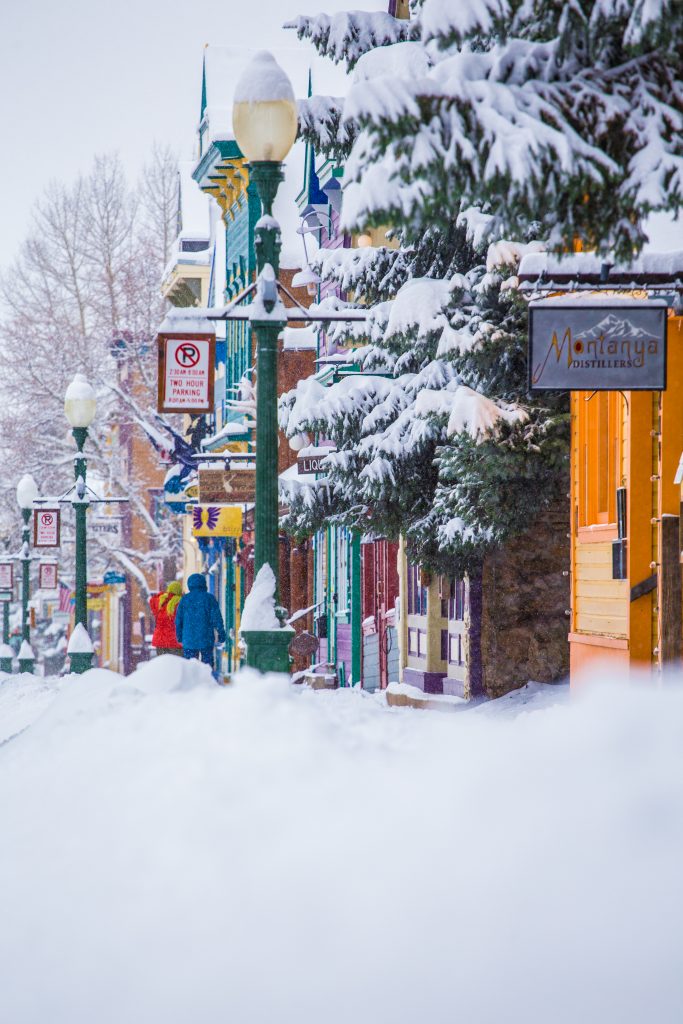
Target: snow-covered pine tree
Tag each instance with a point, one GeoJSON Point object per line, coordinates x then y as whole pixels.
{"type": "Point", "coordinates": [444, 396]}
{"type": "Point", "coordinates": [563, 117]}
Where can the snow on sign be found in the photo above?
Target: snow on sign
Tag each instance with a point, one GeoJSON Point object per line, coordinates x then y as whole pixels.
{"type": "Point", "coordinates": [186, 372]}
{"type": "Point", "coordinates": [608, 345]}
{"type": "Point", "coordinates": [46, 528]}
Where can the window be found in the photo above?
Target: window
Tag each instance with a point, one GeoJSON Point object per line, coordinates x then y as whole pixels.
{"type": "Point", "coordinates": [417, 594]}
{"type": "Point", "coordinates": [599, 417]}
{"type": "Point", "coordinates": [456, 654]}
{"type": "Point", "coordinates": [194, 244]}
{"type": "Point", "coordinates": [343, 543]}
{"type": "Point", "coordinates": [456, 601]}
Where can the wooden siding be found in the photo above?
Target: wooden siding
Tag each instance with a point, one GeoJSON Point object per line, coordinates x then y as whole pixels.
{"type": "Point", "coordinates": [602, 604]}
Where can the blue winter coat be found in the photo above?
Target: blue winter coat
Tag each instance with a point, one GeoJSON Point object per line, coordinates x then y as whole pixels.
{"type": "Point", "coordinates": [198, 617]}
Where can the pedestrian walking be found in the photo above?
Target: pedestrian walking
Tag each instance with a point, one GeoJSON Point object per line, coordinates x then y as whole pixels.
{"type": "Point", "coordinates": [199, 621]}
{"type": "Point", "coordinates": [164, 609]}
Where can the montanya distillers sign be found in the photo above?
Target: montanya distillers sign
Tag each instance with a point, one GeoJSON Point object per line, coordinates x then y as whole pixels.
{"type": "Point", "coordinates": [597, 345]}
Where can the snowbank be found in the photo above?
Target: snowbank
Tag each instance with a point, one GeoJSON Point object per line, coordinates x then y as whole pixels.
{"type": "Point", "coordinates": [178, 851]}
{"type": "Point", "coordinates": [259, 608]}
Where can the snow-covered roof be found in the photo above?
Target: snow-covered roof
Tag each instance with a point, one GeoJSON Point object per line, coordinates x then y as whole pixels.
{"type": "Point", "coordinates": [230, 429]}
{"type": "Point", "coordinates": [587, 266]}
{"type": "Point", "coordinates": [297, 339]}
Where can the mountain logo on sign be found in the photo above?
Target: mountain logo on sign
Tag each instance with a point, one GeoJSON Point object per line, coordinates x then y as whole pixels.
{"type": "Point", "coordinates": [614, 326]}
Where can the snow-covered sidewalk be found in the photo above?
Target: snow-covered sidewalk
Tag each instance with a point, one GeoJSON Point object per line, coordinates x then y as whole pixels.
{"type": "Point", "coordinates": [177, 851]}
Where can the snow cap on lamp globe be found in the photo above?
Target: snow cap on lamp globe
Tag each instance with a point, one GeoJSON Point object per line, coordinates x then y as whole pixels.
{"type": "Point", "coordinates": [80, 402]}
{"type": "Point", "coordinates": [27, 491]}
{"type": "Point", "coordinates": [264, 115]}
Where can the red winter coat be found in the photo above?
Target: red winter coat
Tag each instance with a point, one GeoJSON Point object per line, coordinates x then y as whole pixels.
{"type": "Point", "coordinates": [164, 630]}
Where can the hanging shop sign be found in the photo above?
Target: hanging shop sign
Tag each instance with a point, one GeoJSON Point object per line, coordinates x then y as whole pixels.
{"type": "Point", "coordinates": [6, 575]}
{"type": "Point", "coordinates": [47, 576]}
{"type": "Point", "coordinates": [111, 578]}
{"type": "Point", "coordinates": [107, 529]}
{"type": "Point", "coordinates": [217, 521]}
{"type": "Point", "coordinates": [227, 486]}
{"type": "Point", "coordinates": [310, 460]}
{"type": "Point", "coordinates": [46, 528]}
{"type": "Point", "coordinates": [304, 644]}
{"type": "Point", "coordinates": [186, 372]}
{"type": "Point", "coordinates": [618, 345]}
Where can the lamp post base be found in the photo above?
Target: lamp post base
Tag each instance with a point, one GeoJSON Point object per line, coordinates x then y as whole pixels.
{"type": "Point", "coordinates": [80, 661]}
{"type": "Point", "coordinates": [268, 650]}
{"type": "Point", "coordinates": [26, 665]}
{"type": "Point", "coordinates": [6, 665]}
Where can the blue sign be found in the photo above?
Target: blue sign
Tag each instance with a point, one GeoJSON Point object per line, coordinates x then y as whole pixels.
{"type": "Point", "coordinates": [113, 577]}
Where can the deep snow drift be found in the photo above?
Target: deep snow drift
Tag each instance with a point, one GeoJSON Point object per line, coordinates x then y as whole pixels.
{"type": "Point", "coordinates": [175, 851]}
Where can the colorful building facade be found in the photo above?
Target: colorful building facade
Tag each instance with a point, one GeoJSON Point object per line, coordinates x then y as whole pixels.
{"type": "Point", "coordinates": [625, 497]}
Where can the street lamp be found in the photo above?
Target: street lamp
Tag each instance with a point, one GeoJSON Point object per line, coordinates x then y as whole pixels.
{"type": "Point", "coordinates": [264, 120]}
{"type": "Point", "coordinates": [6, 652]}
{"type": "Point", "coordinates": [79, 406]}
{"type": "Point", "coordinates": [27, 492]}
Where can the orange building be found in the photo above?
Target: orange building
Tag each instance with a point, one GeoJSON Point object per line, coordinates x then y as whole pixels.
{"type": "Point", "coordinates": [625, 493]}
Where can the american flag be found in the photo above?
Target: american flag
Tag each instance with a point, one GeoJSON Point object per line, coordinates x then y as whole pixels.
{"type": "Point", "coordinates": [64, 597]}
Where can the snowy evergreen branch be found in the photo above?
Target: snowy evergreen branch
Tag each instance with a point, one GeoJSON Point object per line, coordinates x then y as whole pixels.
{"type": "Point", "coordinates": [348, 35]}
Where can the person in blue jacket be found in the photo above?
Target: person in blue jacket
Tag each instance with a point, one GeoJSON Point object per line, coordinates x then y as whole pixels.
{"type": "Point", "coordinates": [199, 621]}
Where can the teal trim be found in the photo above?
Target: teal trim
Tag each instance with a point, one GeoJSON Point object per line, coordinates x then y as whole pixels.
{"type": "Point", "coordinates": [203, 102]}
{"type": "Point", "coordinates": [356, 621]}
{"type": "Point", "coordinates": [332, 572]}
{"type": "Point", "coordinates": [253, 215]}
{"type": "Point", "coordinates": [230, 617]}
{"type": "Point", "coordinates": [218, 152]}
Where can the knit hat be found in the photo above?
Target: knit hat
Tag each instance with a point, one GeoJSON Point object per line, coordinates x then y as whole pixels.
{"type": "Point", "coordinates": [172, 594]}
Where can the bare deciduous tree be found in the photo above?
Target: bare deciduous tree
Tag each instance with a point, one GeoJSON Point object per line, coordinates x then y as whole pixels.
{"type": "Point", "coordinates": [82, 296]}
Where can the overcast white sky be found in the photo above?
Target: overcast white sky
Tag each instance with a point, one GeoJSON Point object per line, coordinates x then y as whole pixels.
{"type": "Point", "coordinates": [80, 77]}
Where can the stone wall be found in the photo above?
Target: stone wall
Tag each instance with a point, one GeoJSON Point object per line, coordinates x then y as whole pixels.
{"type": "Point", "coordinates": [525, 595]}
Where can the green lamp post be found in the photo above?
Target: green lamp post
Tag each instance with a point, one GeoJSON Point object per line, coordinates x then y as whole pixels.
{"type": "Point", "coordinates": [27, 492]}
{"type": "Point", "coordinates": [79, 406]}
{"type": "Point", "coordinates": [6, 652]}
{"type": "Point", "coordinates": [265, 125]}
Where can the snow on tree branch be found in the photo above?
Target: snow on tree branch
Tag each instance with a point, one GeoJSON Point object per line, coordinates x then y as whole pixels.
{"type": "Point", "coordinates": [348, 35]}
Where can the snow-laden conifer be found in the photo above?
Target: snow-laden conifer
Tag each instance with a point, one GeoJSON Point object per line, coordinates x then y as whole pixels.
{"type": "Point", "coordinates": [488, 125]}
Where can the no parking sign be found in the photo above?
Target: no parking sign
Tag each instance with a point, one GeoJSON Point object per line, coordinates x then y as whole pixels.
{"type": "Point", "coordinates": [186, 372]}
{"type": "Point", "coordinates": [46, 527]}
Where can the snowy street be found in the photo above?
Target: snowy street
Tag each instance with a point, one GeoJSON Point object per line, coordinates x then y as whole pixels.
{"type": "Point", "coordinates": [178, 851]}
{"type": "Point", "coordinates": [341, 513]}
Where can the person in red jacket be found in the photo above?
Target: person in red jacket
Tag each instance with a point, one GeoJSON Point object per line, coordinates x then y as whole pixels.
{"type": "Point", "coordinates": [164, 607]}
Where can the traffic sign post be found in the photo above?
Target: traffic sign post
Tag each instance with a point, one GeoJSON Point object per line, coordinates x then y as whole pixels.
{"type": "Point", "coordinates": [186, 372]}
{"type": "Point", "coordinates": [47, 576]}
{"type": "Point", "coordinates": [46, 527]}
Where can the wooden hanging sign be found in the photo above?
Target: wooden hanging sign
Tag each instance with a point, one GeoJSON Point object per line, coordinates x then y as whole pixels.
{"type": "Point", "coordinates": [227, 486]}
